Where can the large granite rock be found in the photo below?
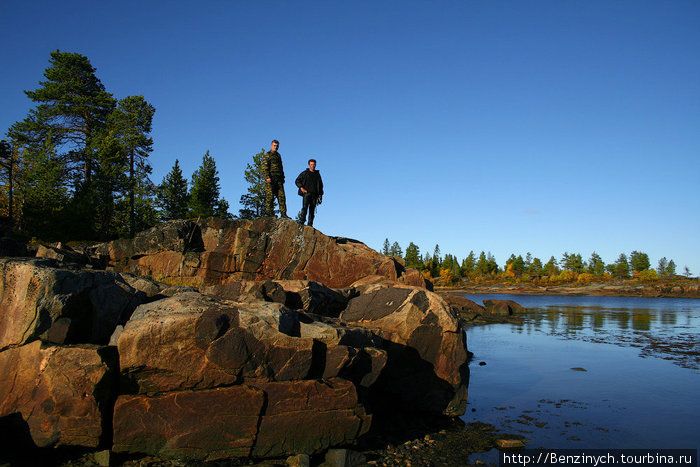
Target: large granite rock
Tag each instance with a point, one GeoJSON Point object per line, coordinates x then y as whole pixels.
{"type": "Point", "coordinates": [63, 394]}
{"type": "Point", "coordinates": [262, 368]}
{"type": "Point", "coordinates": [269, 381]}
{"type": "Point", "coordinates": [214, 251]}
{"type": "Point", "coordinates": [426, 345]}
{"type": "Point", "coordinates": [191, 341]}
{"type": "Point", "coordinates": [39, 299]}
{"type": "Point", "coordinates": [271, 420]}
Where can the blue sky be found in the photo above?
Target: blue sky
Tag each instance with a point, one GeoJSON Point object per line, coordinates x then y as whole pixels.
{"type": "Point", "coordinates": [502, 126]}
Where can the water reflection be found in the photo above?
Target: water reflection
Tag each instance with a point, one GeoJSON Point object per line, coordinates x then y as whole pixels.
{"type": "Point", "coordinates": [638, 362]}
{"type": "Point", "coordinates": [659, 327]}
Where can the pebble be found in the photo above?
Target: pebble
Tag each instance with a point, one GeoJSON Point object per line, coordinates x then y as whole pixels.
{"type": "Point", "coordinates": [509, 444]}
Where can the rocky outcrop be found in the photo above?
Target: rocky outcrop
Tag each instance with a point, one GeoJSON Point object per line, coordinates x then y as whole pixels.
{"type": "Point", "coordinates": [40, 300]}
{"type": "Point", "coordinates": [425, 343]}
{"type": "Point", "coordinates": [215, 252]}
{"type": "Point", "coordinates": [64, 395]}
{"type": "Point", "coordinates": [249, 368]}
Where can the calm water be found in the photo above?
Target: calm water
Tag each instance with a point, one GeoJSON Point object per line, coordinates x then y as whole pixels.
{"type": "Point", "coordinates": [590, 372]}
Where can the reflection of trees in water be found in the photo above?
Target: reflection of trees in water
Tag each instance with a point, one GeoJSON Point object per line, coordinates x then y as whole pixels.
{"type": "Point", "coordinates": [655, 332]}
{"type": "Point", "coordinates": [641, 321]}
{"type": "Point", "coordinates": [668, 317]}
{"type": "Point", "coordinates": [598, 320]}
{"type": "Point", "coordinates": [623, 319]}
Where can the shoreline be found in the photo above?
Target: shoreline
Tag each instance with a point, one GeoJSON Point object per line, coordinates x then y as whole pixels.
{"type": "Point", "coordinates": [664, 290]}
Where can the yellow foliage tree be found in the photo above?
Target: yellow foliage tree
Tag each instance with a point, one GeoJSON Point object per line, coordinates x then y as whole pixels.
{"type": "Point", "coordinates": [447, 277]}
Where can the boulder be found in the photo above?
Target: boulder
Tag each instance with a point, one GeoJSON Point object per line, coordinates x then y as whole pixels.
{"type": "Point", "coordinates": [425, 343]}
{"type": "Point", "coordinates": [213, 252]}
{"type": "Point", "coordinates": [503, 307]}
{"type": "Point", "coordinates": [197, 425]}
{"type": "Point", "coordinates": [40, 300]}
{"type": "Point", "coordinates": [462, 304]}
{"type": "Point", "coordinates": [63, 254]}
{"type": "Point", "coordinates": [192, 341]}
{"type": "Point", "coordinates": [272, 420]}
{"type": "Point", "coordinates": [64, 394]}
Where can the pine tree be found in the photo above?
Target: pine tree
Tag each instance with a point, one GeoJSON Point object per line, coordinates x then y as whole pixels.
{"type": "Point", "coordinates": [468, 264]}
{"type": "Point", "coordinates": [127, 142]}
{"type": "Point", "coordinates": [253, 201]}
{"type": "Point", "coordinates": [204, 195]}
{"type": "Point", "coordinates": [72, 109]}
{"type": "Point", "coordinates": [671, 268]}
{"type": "Point", "coordinates": [596, 265]}
{"type": "Point", "coordinates": [395, 250]}
{"type": "Point", "coordinates": [639, 261]}
{"type": "Point", "coordinates": [173, 197]}
{"type": "Point", "coordinates": [9, 166]}
{"type": "Point", "coordinates": [622, 267]}
{"type": "Point", "coordinates": [386, 249]}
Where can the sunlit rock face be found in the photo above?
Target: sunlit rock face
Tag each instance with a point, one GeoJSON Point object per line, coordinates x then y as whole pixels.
{"type": "Point", "coordinates": [262, 359]}
{"type": "Point", "coordinates": [215, 252]}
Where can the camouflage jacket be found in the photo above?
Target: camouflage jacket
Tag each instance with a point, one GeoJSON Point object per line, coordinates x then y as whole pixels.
{"type": "Point", "coordinates": [272, 166]}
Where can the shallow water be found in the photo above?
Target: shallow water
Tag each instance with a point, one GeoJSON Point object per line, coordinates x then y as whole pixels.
{"type": "Point", "coordinates": [590, 372]}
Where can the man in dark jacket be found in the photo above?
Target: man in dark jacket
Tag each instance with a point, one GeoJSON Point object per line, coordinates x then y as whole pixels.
{"type": "Point", "coordinates": [311, 188]}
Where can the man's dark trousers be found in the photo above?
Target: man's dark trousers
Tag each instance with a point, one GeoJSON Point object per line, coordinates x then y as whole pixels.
{"type": "Point", "coordinates": [309, 204]}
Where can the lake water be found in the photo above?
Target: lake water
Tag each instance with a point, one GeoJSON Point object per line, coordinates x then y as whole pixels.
{"type": "Point", "coordinates": [590, 372]}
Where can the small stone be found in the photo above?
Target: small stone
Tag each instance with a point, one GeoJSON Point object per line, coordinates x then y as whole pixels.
{"type": "Point", "coordinates": [482, 363]}
{"type": "Point", "coordinates": [102, 458]}
{"type": "Point", "coordinates": [343, 458]}
{"type": "Point", "coordinates": [579, 369]}
{"type": "Point", "coordinates": [509, 444]}
{"type": "Point", "coordinates": [300, 460]}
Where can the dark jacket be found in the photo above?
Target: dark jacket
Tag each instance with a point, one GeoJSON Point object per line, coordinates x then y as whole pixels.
{"type": "Point", "coordinates": [310, 181]}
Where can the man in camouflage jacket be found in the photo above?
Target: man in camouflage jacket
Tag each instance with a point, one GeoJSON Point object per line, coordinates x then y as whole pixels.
{"type": "Point", "coordinates": [274, 181]}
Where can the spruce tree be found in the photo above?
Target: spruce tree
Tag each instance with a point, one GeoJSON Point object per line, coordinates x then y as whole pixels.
{"type": "Point", "coordinates": [412, 257]}
{"type": "Point", "coordinates": [386, 249]}
{"type": "Point", "coordinates": [204, 195]}
{"type": "Point", "coordinates": [173, 197]}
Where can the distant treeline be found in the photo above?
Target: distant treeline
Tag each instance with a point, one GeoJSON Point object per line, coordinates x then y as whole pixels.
{"type": "Point", "coordinates": [570, 267]}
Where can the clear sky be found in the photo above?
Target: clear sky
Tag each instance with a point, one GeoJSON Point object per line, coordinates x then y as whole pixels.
{"type": "Point", "coordinates": [502, 126]}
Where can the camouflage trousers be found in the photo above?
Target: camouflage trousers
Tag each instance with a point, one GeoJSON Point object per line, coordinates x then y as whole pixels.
{"type": "Point", "coordinates": [275, 189]}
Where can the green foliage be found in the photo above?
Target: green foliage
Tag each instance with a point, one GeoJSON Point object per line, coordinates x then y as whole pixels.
{"type": "Point", "coordinates": [536, 267]}
{"type": "Point", "coordinates": [173, 197]}
{"type": "Point", "coordinates": [468, 265]}
{"type": "Point", "coordinates": [73, 107]}
{"type": "Point", "coordinates": [572, 262]}
{"type": "Point", "coordinates": [412, 257]}
{"type": "Point", "coordinates": [671, 268]}
{"type": "Point", "coordinates": [204, 195]}
{"type": "Point", "coordinates": [596, 266]}
{"type": "Point", "coordinates": [253, 201]}
{"type": "Point", "coordinates": [43, 195]}
{"type": "Point", "coordinates": [515, 265]}
{"type": "Point", "coordinates": [551, 267]}
{"type": "Point", "coordinates": [395, 250]}
{"type": "Point", "coordinates": [486, 265]}
{"type": "Point", "coordinates": [127, 143]}
{"type": "Point", "coordinates": [83, 171]}
{"type": "Point", "coordinates": [622, 267]}
{"type": "Point", "coordinates": [386, 249]}
{"type": "Point", "coordinates": [639, 261]}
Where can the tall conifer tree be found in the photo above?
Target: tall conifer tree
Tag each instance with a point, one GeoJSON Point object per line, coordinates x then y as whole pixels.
{"type": "Point", "coordinates": [173, 197]}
